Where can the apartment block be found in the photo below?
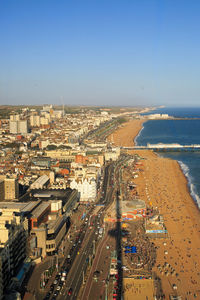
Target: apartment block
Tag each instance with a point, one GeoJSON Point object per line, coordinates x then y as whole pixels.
{"type": "Point", "coordinates": [11, 189]}
{"type": "Point", "coordinates": [35, 121]}
{"type": "Point", "coordinates": [13, 241]}
{"type": "Point", "coordinates": [20, 126]}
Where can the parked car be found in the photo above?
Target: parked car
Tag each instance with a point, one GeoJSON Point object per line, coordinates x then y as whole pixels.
{"type": "Point", "coordinates": [70, 292]}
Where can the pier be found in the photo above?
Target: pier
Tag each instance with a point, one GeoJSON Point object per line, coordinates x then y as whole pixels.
{"type": "Point", "coordinates": [161, 146]}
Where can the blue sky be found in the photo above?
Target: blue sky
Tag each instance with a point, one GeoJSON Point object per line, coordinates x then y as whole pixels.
{"type": "Point", "coordinates": [100, 52]}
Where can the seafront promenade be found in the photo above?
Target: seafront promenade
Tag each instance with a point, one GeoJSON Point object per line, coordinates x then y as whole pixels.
{"type": "Point", "coordinates": [164, 185]}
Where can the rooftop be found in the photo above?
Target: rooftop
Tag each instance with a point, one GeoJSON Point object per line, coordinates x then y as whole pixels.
{"type": "Point", "coordinates": [37, 212]}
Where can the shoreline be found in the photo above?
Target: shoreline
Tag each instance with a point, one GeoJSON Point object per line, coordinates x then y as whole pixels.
{"type": "Point", "coordinates": [182, 165]}
{"type": "Point", "coordinates": [193, 194]}
{"type": "Point", "coordinates": [165, 184]}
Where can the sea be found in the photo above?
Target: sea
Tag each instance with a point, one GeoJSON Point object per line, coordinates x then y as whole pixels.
{"type": "Point", "coordinates": [183, 132]}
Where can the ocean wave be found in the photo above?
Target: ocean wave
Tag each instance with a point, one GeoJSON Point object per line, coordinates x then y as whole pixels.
{"type": "Point", "coordinates": [191, 186]}
{"type": "Point", "coordinates": [139, 133]}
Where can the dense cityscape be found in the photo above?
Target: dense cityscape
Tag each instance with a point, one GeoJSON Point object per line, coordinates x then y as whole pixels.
{"type": "Point", "coordinates": [62, 234]}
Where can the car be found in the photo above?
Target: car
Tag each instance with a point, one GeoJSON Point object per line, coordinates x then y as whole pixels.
{"type": "Point", "coordinates": [70, 292]}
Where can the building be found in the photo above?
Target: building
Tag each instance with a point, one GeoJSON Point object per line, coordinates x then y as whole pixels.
{"type": "Point", "coordinates": [42, 162]}
{"type": "Point", "coordinates": [13, 127]}
{"type": "Point", "coordinates": [40, 183]}
{"type": "Point", "coordinates": [86, 187]}
{"type": "Point", "coordinates": [112, 154]}
{"type": "Point", "coordinates": [44, 121]}
{"type": "Point", "coordinates": [62, 155]}
{"type": "Point", "coordinates": [20, 126]}
{"type": "Point", "coordinates": [23, 126]}
{"type": "Point", "coordinates": [158, 116]}
{"type": "Point", "coordinates": [68, 196]}
{"type": "Point", "coordinates": [40, 214]}
{"type": "Point", "coordinates": [11, 189]}
{"type": "Point", "coordinates": [46, 219]}
{"type": "Point", "coordinates": [47, 108]}
{"type": "Point", "coordinates": [48, 225]}
{"type": "Point", "coordinates": [35, 121]}
{"type": "Point", "coordinates": [52, 177]}
{"type": "Point", "coordinates": [58, 114]}
{"type": "Point", "coordinates": [1, 190]}
{"type": "Point", "coordinates": [49, 235]}
{"type": "Point", "coordinates": [13, 246]}
{"type": "Point", "coordinates": [14, 117]}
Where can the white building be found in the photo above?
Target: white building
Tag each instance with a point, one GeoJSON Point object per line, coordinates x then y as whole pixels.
{"type": "Point", "coordinates": [158, 116]}
{"type": "Point", "coordinates": [86, 187]}
{"type": "Point", "coordinates": [40, 183]}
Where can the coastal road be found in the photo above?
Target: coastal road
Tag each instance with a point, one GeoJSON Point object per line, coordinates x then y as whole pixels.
{"type": "Point", "coordinates": [79, 267]}
{"type": "Point", "coordinates": [75, 276]}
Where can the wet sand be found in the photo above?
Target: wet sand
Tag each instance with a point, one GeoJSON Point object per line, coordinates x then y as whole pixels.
{"type": "Point", "coordinates": [163, 184]}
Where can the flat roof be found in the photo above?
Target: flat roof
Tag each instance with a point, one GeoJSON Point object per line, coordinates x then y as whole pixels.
{"type": "Point", "coordinates": [18, 206]}
{"type": "Point", "coordinates": [50, 194]}
{"type": "Point", "coordinates": [53, 224]}
{"type": "Point", "coordinates": [37, 212]}
{"type": "Point", "coordinates": [138, 289]}
{"type": "Point", "coordinates": [12, 205]}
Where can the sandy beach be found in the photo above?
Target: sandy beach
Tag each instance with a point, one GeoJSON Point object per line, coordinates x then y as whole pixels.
{"type": "Point", "coordinates": [124, 136]}
{"type": "Point", "coordinates": [163, 184]}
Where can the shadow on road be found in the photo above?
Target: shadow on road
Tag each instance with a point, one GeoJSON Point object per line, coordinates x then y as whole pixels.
{"type": "Point", "coordinates": [116, 233]}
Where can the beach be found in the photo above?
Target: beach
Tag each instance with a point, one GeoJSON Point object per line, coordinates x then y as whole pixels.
{"type": "Point", "coordinates": [124, 135]}
{"type": "Point", "coordinates": [162, 184]}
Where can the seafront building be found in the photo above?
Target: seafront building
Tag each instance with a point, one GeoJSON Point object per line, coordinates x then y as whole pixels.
{"type": "Point", "coordinates": [87, 189]}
